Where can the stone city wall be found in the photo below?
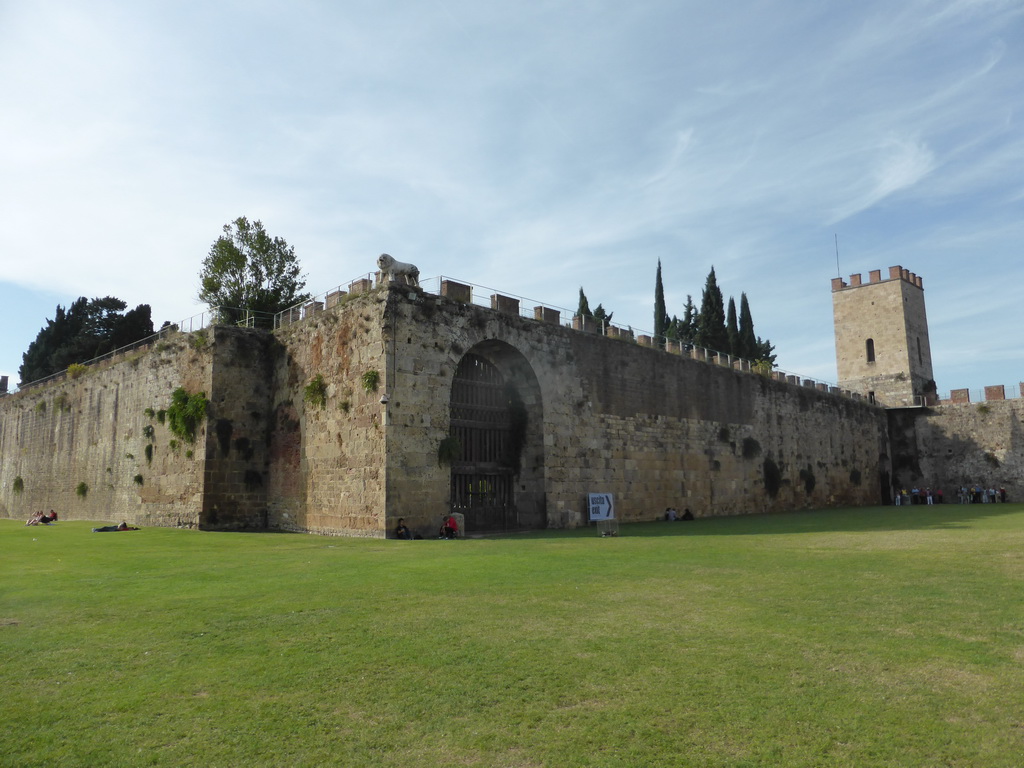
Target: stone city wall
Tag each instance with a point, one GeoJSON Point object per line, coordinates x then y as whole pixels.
{"type": "Point", "coordinates": [327, 463]}
{"type": "Point", "coordinates": [93, 433]}
{"type": "Point", "coordinates": [297, 436]}
{"type": "Point", "coordinates": [960, 444]}
{"type": "Point", "coordinates": [611, 416]}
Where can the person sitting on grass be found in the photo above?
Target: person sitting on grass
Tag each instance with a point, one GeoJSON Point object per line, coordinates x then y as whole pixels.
{"type": "Point", "coordinates": [41, 518]}
{"type": "Point", "coordinates": [109, 528]}
{"type": "Point", "coordinates": [449, 528]}
{"type": "Point", "coordinates": [401, 530]}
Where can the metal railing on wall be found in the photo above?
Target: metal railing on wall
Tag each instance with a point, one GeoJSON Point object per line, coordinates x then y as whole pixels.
{"type": "Point", "coordinates": [478, 295]}
{"type": "Point", "coordinates": [197, 322]}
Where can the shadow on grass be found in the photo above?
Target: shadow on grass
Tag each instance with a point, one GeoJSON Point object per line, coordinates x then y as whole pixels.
{"type": "Point", "coordinates": [844, 519]}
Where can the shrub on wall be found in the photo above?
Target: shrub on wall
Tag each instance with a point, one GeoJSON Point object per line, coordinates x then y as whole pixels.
{"type": "Point", "coordinates": [316, 392]}
{"type": "Point", "coordinates": [371, 380]}
{"type": "Point", "coordinates": [138, 480]}
{"type": "Point", "coordinates": [185, 413]}
{"type": "Point", "coordinates": [149, 453]}
{"type": "Point", "coordinates": [19, 485]}
{"type": "Point", "coordinates": [198, 340]}
{"type": "Point", "coordinates": [76, 369]}
{"type": "Point", "coordinates": [82, 490]}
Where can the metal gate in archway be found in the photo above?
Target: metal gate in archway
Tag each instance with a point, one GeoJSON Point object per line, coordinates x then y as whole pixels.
{"type": "Point", "coordinates": [482, 419]}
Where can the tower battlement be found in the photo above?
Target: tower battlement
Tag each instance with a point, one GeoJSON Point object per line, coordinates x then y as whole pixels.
{"type": "Point", "coordinates": [875, 276]}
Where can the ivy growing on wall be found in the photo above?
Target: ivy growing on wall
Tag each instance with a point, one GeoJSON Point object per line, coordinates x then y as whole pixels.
{"type": "Point", "coordinates": [82, 490]}
{"type": "Point", "coordinates": [19, 484]}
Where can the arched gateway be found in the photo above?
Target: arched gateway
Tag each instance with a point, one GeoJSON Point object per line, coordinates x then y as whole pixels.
{"type": "Point", "coordinates": [497, 480]}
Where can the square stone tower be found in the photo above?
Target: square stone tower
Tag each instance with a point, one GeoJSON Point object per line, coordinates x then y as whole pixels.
{"type": "Point", "coordinates": [882, 347]}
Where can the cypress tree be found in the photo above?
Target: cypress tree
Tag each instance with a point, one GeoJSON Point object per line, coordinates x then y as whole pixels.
{"type": "Point", "coordinates": [583, 310]}
{"type": "Point", "coordinates": [732, 330]}
{"type": "Point", "coordinates": [660, 313]}
{"type": "Point", "coordinates": [748, 342]}
{"type": "Point", "coordinates": [711, 332]}
{"type": "Point", "coordinates": [688, 325]}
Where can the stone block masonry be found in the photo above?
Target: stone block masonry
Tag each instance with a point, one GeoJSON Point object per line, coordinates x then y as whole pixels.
{"type": "Point", "coordinates": [333, 425]}
{"type": "Point", "coordinates": [93, 447]}
{"type": "Point", "coordinates": [960, 443]}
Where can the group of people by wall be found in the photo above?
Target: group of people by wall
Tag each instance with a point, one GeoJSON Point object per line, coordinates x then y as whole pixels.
{"type": "Point", "coordinates": [449, 529]}
{"type": "Point", "coordinates": [671, 514]}
{"type": "Point", "coordinates": [975, 494]}
{"type": "Point", "coordinates": [964, 495]}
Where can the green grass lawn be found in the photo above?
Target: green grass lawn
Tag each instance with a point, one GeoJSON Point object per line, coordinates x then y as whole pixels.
{"type": "Point", "coordinates": [852, 637]}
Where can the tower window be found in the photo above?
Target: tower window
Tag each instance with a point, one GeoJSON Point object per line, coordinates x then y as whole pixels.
{"type": "Point", "coordinates": [920, 359]}
{"type": "Point", "coordinates": [870, 349]}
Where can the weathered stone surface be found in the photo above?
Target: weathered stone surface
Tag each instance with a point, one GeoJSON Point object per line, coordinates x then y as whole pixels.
{"type": "Point", "coordinates": [960, 444]}
{"type": "Point", "coordinates": [652, 427]}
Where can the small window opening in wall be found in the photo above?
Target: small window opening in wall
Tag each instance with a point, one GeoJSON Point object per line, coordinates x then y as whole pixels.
{"type": "Point", "coordinates": [920, 359]}
{"type": "Point", "coordinates": [871, 397]}
{"type": "Point", "coordinates": [870, 345]}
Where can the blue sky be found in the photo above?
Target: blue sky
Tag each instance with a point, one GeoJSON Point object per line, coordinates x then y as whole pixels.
{"type": "Point", "coordinates": [530, 147]}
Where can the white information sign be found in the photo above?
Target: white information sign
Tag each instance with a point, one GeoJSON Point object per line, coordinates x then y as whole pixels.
{"type": "Point", "coordinates": [602, 506]}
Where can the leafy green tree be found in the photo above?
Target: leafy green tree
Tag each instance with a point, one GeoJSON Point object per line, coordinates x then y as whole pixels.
{"type": "Point", "coordinates": [603, 318]}
{"type": "Point", "coordinates": [765, 350]}
{"type": "Point", "coordinates": [732, 329]}
{"type": "Point", "coordinates": [660, 313]}
{"type": "Point", "coordinates": [710, 332]}
{"type": "Point", "coordinates": [247, 269]}
{"type": "Point", "coordinates": [89, 328]}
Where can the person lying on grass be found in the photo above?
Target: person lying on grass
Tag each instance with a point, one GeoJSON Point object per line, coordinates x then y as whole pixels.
{"type": "Point", "coordinates": [121, 527]}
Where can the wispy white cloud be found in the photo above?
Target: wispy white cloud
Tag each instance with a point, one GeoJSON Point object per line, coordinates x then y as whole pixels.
{"type": "Point", "coordinates": [532, 148]}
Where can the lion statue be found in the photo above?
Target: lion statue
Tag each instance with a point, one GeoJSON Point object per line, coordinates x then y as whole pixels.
{"type": "Point", "coordinates": [393, 269]}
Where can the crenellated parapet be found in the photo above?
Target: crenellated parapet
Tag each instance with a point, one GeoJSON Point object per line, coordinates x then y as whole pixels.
{"type": "Point", "coordinates": [992, 393]}
{"type": "Point", "coordinates": [875, 276]}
